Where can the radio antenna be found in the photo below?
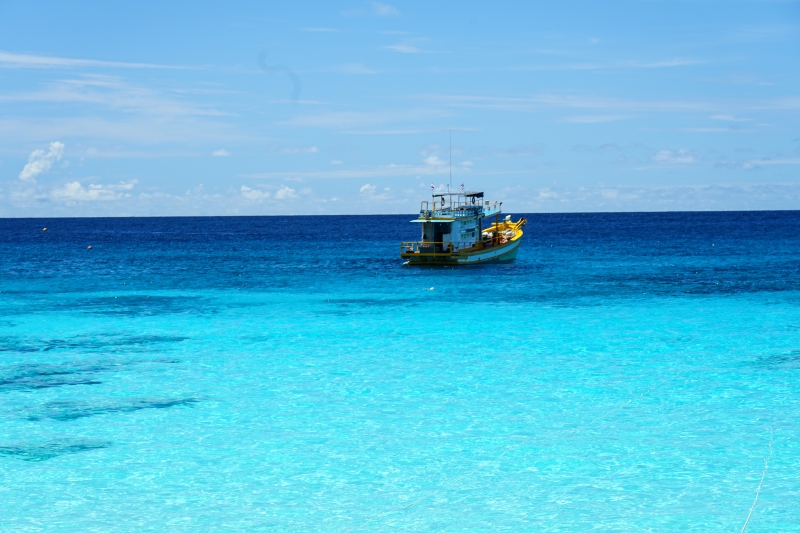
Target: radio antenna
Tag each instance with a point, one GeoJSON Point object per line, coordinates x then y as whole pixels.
{"type": "Point", "coordinates": [451, 161]}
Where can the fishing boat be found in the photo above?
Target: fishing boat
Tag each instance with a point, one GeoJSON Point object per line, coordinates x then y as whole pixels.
{"type": "Point", "coordinates": [453, 232]}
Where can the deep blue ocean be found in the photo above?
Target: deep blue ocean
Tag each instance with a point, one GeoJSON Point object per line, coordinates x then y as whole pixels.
{"type": "Point", "coordinates": [629, 372]}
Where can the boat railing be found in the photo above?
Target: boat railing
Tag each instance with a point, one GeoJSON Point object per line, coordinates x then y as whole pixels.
{"type": "Point", "coordinates": [431, 247]}
{"type": "Point", "coordinates": [458, 210]}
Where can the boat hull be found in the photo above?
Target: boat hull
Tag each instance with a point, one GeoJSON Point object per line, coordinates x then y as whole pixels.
{"type": "Point", "coordinates": [503, 253]}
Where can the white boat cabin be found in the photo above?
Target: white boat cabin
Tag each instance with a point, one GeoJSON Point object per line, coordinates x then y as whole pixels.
{"type": "Point", "coordinates": [453, 221]}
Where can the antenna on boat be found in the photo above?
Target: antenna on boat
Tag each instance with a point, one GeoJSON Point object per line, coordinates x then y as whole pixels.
{"type": "Point", "coordinates": [450, 186]}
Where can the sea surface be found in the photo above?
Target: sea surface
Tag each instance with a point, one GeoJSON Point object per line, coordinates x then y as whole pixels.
{"type": "Point", "coordinates": [629, 372]}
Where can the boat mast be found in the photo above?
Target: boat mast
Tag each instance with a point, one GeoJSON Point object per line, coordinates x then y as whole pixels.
{"type": "Point", "coordinates": [450, 186]}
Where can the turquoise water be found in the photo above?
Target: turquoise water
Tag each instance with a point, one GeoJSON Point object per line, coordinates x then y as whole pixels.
{"type": "Point", "coordinates": [629, 372]}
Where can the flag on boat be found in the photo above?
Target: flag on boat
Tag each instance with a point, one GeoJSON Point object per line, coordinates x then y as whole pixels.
{"type": "Point", "coordinates": [432, 187]}
{"type": "Point", "coordinates": [462, 186]}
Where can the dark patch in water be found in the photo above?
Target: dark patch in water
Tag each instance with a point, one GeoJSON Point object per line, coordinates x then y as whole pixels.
{"type": "Point", "coordinates": [372, 302]}
{"type": "Point", "coordinates": [67, 410]}
{"type": "Point", "coordinates": [84, 342]}
{"type": "Point", "coordinates": [50, 449]}
{"type": "Point", "coordinates": [44, 376]}
{"type": "Point", "coordinates": [125, 304]}
{"type": "Point", "coordinates": [134, 305]}
{"type": "Point", "coordinates": [785, 359]}
{"type": "Point", "coordinates": [348, 306]}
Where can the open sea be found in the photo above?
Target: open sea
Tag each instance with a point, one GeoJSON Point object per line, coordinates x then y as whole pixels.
{"type": "Point", "coordinates": [629, 372]}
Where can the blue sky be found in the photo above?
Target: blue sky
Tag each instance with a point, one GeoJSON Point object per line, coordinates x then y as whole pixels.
{"type": "Point", "coordinates": [212, 108]}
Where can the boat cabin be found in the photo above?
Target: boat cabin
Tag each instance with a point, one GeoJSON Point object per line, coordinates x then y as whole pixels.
{"type": "Point", "coordinates": [453, 221]}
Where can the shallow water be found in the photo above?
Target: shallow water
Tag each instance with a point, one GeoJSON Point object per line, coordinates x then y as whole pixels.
{"type": "Point", "coordinates": [628, 372]}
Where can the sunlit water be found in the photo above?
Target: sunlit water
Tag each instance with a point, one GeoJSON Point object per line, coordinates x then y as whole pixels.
{"type": "Point", "coordinates": [628, 372]}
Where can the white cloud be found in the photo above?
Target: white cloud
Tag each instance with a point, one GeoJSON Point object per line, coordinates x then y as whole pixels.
{"type": "Point", "coordinates": [285, 193]}
{"type": "Point", "coordinates": [253, 194]}
{"type": "Point", "coordinates": [384, 10]}
{"type": "Point", "coordinates": [434, 161]}
{"type": "Point", "coordinates": [75, 192]}
{"type": "Point", "coordinates": [12, 60]}
{"type": "Point", "coordinates": [335, 162]}
{"type": "Point", "coordinates": [729, 118]}
{"type": "Point", "coordinates": [112, 92]}
{"type": "Point", "coordinates": [371, 191]}
{"type": "Point", "coordinates": [403, 48]}
{"type": "Point", "coordinates": [667, 157]}
{"type": "Point", "coordinates": [299, 150]}
{"type": "Point", "coordinates": [546, 194]}
{"type": "Point", "coordinates": [39, 161]}
{"type": "Point", "coordinates": [222, 152]}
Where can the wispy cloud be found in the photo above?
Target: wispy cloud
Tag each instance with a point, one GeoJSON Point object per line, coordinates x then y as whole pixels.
{"type": "Point", "coordinates": [610, 65]}
{"type": "Point", "coordinates": [403, 48]}
{"type": "Point", "coordinates": [377, 9]}
{"type": "Point", "coordinates": [410, 45]}
{"type": "Point", "coordinates": [594, 119]}
{"type": "Point", "coordinates": [148, 130]}
{"type": "Point", "coordinates": [40, 161]}
{"type": "Point", "coordinates": [431, 167]}
{"type": "Point", "coordinates": [353, 119]}
{"type": "Point", "coordinates": [353, 68]}
{"type": "Point", "coordinates": [405, 131]}
{"type": "Point", "coordinates": [112, 92]}
{"type": "Point", "coordinates": [775, 162]}
{"type": "Point", "coordinates": [671, 157]}
{"type": "Point", "coordinates": [518, 151]}
{"type": "Point", "coordinates": [538, 102]}
{"type": "Point", "coordinates": [76, 192]}
{"type": "Point", "coordinates": [729, 118]}
{"type": "Point", "coordinates": [657, 198]}
{"type": "Point", "coordinates": [12, 60]}
{"type": "Point", "coordinates": [294, 149]}
{"type": "Point", "coordinates": [666, 63]}
{"type": "Point", "coordinates": [220, 153]}
{"type": "Point", "coordinates": [716, 130]}
{"type": "Point", "coordinates": [384, 10]}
